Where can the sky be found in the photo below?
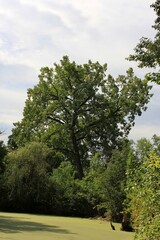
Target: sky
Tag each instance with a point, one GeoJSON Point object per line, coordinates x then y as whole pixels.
{"type": "Point", "coordinates": [38, 33]}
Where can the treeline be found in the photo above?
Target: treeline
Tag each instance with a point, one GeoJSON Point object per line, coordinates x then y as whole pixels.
{"type": "Point", "coordinates": [30, 183]}
{"type": "Point", "coordinates": [128, 183]}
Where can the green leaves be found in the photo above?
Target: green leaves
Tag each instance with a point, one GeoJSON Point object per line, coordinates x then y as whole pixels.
{"type": "Point", "coordinates": [149, 217]}
{"type": "Point", "coordinates": [147, 51]}
{"type": "Point", "coordinates": [143, 185]}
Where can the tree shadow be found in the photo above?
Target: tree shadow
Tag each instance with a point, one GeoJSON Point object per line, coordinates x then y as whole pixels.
{"type": "Point", "coordinates": [13, 225]}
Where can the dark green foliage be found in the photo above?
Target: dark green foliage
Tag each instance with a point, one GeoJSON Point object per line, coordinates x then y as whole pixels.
{"type": "Point", "coordinates": [114, 181]}
{"type": "Point", "coordinates": [31, 186]}
{"type": "Point", "coordinates": [71, 199]}
{"type": "Point", "coordinates": [100, 191]}
{"type": "Point", "coordinates": [3, 153]}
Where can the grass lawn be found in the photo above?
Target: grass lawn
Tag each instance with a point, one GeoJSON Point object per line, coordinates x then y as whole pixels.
{"type": "Point", "coordinates": [41, 227]}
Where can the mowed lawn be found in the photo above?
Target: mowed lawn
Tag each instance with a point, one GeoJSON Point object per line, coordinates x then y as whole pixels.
{"type": "Point", "coordinates": [42, 227]}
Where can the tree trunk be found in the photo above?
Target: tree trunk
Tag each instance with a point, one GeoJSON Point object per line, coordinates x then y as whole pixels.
{"type": "Point", "coordinates": [126, 223]}
{"type": "Point", "coordinates": [76, 156]}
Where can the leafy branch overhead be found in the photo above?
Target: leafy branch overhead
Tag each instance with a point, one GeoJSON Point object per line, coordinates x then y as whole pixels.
{"type": "Point", "coordinates": [147, 51]}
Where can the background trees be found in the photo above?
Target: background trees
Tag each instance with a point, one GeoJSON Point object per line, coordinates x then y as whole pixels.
{"type": "Point", "coordinates": [78, 111]}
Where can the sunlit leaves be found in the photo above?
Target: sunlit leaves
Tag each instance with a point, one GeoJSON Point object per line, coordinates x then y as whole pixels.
{"type": "Point", "coordinates": [143, 192]}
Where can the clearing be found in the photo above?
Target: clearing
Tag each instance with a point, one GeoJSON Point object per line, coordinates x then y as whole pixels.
{"type": "Point", "coordinates": [15, 226]}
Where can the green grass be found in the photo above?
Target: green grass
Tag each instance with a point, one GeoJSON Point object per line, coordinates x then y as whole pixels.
{"type": "Point", "coordinates": [41, 227]}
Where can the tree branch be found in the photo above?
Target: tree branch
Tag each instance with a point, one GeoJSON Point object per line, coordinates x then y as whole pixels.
{"type": "Point", "coordinates": [56, 119]}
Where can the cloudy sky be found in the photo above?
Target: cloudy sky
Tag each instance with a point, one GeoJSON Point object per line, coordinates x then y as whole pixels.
{"type": "Point", "coordinates": [37, 33]}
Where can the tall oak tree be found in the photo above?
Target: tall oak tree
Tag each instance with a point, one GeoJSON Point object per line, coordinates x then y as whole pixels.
{"type": "Point", "coordinates": [78, 111]}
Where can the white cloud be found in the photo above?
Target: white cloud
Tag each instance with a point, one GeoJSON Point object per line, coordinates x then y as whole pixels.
{"type": "Point", "coordinates": [35, 29]}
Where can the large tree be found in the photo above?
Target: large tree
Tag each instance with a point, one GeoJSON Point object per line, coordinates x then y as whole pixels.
{"type": "Point", "coordinates": [78, 111]}
{"type": "Point", "coordinates": [147, 51]}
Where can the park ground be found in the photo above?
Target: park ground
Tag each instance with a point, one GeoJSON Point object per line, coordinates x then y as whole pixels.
{"type": "Point", "coordinates": [15, 226]}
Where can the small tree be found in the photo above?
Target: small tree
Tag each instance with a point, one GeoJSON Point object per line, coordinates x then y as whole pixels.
{"type": "Point", "coordinates": [26, 178]}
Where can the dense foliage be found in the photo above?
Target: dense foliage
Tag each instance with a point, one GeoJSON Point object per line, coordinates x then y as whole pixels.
{"type": "Point", "coordinates": [3, 153]}
{"type": "Point", "coordinates": [143, 189]}
{"type": "Point", "coordinates": [32, 184]}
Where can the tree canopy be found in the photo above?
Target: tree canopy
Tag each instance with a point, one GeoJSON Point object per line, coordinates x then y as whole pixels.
{"type": "Point", "coordinates": [78, 110]}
